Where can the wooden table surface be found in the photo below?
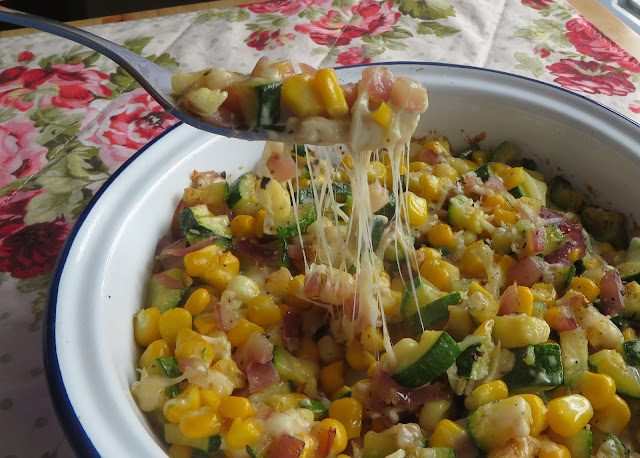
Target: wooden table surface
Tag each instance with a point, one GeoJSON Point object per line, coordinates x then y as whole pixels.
{"type": "Point", "coordinates": [602, 18]}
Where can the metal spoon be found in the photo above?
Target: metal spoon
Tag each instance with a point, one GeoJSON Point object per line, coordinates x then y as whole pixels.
{"type": "Point", "coordinates": [155, 79]}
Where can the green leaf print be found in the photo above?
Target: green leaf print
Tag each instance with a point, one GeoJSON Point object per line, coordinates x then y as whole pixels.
{"type": "Point", "coordinates": [56, 126]}
{"type": "Point", "coordinates": [372, 50]}
{"type": "Point", "coordinates": [426, 9]}
{"type": "Point", "coordinates": [532, 64]}
{"type": "Point", "coordinates": [7, 114]}
{"type": "Point", "coordinates": [37, 285]}
{"type": "Point", "coordinates": [138, 44]}
{"type": "Point", "coordinates": [545, 30]}
{"type": "Point", "coordinates": [74, 55]}
{"type": "Point", "coordinates": [227, 15]}
{"type": "Point", "coordinates": [313, 13]}
{"type": "Point", "coordinates": [437, 29]}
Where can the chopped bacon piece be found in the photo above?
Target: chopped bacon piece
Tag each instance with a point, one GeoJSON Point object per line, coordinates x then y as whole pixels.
{"type": "Point", "coordinates": [326, 443]}
{"type": "Point", "coordinates": [537, 241]}
{"type": "Point", "coordinates": [527, 271]}
{"type": "Point", "coordinates": [409, 95]}
{"type": "Point", "coordinates": [611, 295]}
{"type": "Point", "coordinates": [261, 375]}
{"type": "Point", "coordinates": [429, 156]}
{"type": "Point", "coordinates": [287, 446]}
{"type": "Point", "coordinates": [292, 330]}
{"type": "Point", "coordinates": [494, 185]}
{"type": "Point", "coordinates": [224, 315]}
{"type": "Point", "coordinates": [563, 320]}
{"type": "Point", "coordinates": [470, 185]}
{"type": "Point", "coordinates": [257, 349]}
{"type": "Point", "coordinates": [378, 82]}
{"type": "Point", "coordinates": [282, 167]}
{"type": "Point", "coordinates": [350, 91]}
{"type": "Point", "coordinates": [510, 301]}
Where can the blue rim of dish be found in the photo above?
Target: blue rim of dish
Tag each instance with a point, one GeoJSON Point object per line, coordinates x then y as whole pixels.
{"type": "Point", "coordinates": [72, 426]}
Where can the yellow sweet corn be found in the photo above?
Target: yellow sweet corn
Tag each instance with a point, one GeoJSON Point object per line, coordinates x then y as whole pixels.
{"type": "Point", "coordinates": [197, 301]}
{"type": "Point", "coordinates": [447, 434]}
{"type": "Point", "coordinates": [432, 412]}
{"type": "Point", "coordinates": [416, 210]}
{"type": "Point", "coordinates": [243, 288]}
{"type": "Point", "coordinates": [525, 296]}
{"type": "Point", "coordinates": [340, 437]}
{"type": "Point", "coordinates": [205, 323]}
{"type": "Point", "coordinates": [502, 217]}
{"type": "Point", "coordinates": [184, 403]}
{"type": "Point", "coordinates": [358, 357]}
{"type": "Point", "coordinates": [574, 254]}
{"type": "Point", "coordinates": [263, 311]}
{"type": "Point", "coordinates": [236, 407]}
{"type": "Point", "coordinates": [376, 171]}
{"type": "Point", "coordinates": [277, 283]}
{"type": "Point", "coordinates": [538, 413]}
{"type": "Point", "coordinates": [439, 146]}
{"type": "Point", "coordinates": [332, 377]}
{"type": "Point", "coordinates": [505, 264]}
{"type": "Point", "coordinates": [171, 322]}
{"type": "Point", "coordinates": [436, 274]}
{"type": "Point", "coordinates": [210, 399]}
{"type": "Point", "coordinates": [145, 326]}
{"type": "Point", "coordinates": [240, 333]}
{"type": "Point", "coordinates": [156, 349]}
{"type": "Point", "coordinates": [552, 450]}
{"type": "Point", "coordinates": [284, 401]}
{"type": "Point", "coordinates": [512, 176]}
{"type": "Point", "coordinates": [243, 227]}
{"type": "Point", "coordinates": [372, 340]}
{"type": "Point", "coordinates": [460, 323]}
{"type": "Point", "coordinates": [299, 96]}
{"type": "Point", "coordinates": [218, 278]}
{"type": "Point", "coordinates": [191, 345]}
{"type": "Point", "coordinates": [441, 235]}
{"type": "Point", "coordinates": [613, 417]}
{"type": "Point", "coordinates": [259, 227]}
{"type": "Point", "coordinates": [567, 415]}
{"type": "Point", "coordinates": [383, 115]}
{"type": "Point", "coordinates": [200, 424]}
{"type": "Point", "coordinates": [486, 393]}
{"type": "Point", "coordinates": [599, 389]}
{"type": "Point", "coordinates": [430, 187]}
{"type": "Point", "coordinates": [348, 411]}
{"type": "Point", "coordinates": [198, 262]}
{"type": "Point", "coordinates": [496, 201]}
{"type": "Point", "coordinates": [472, 261]}
{"type": "Point", "coordinates": [325, 84]}
{"type": "Point", "coordinates": [629, 334]}
{"type": "Point", "coordinates": [585, 286]}
{"type": "Point", "coordinates": [229, 262]}
{"type": "Point", "coordinates": [544, 292]}
{"type": "Point", "coordinates": [243, 432]}
{"type": "Point", "coordinates": [476, 287]}
{"type": "Point", "coordinates": [296, 292]}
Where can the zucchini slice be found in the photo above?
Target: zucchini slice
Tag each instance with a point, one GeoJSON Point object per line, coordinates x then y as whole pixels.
{"type": "Point", "coordinates": [575, 356]}
{"type": "Point", "coordinates": [435, 353]}
{"type": "Point", "coordinates": [563, 195]}
{"type": "Point", "coordinates": [612, 363]}
{"type": "Point", "coordinates": [579, 445]}
{"type": "Point", "coordinates": [506, 153]}
{"type": "Point", "coordinates": [434, 312]}
{"type": "Point", "coordinates": [242, 196]}
{"type": "Point", "coordinates": [259, 102]}
{"type": "Point", "coordinates": [197, 223]}
{"type": "Point", "coordinates": [319, 409]}
{"type": "Point", "coordinates": [173, 435]}
{"type": "Point", "coordinates": [291, 368]}
{"type": "Point", "coordinates": [537, 367]}
{"type": "Point", "coordinates": [606, 226]}
{"type": "Point", "coordinates": [416, 295]}
{"type": "Point", "coordinates": [307, 214]}
{"type": "Point", "coordinates": [632, 352]}
{"type": "Point", "coordinates": [462, 214]}
{"type": "Point", "coordinates": [612, 447]}
{"type": "Point", "coordinates": [162, 297]}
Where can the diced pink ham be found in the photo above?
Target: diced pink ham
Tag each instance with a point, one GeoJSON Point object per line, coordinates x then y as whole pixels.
{"type": "Point", "coordinates": [307, 69]}
{"type": "Point", "coordinates": [494, 185]}
{"type": "Point", "coordinates": [287, 446]}
{"type": "Point", "coordinates": [261, 376]}
{"type": "Point", "coordinates": [378, 82]}
{"type": "Point", "coordinates": [169, 282]}
{"type": "Point", "coordinates": [179, 248]}
{"type": "Point", "coordinates": [224, 315]}
{"type": "Point", "coordinates": [350, 91]}
{"type": "Point", "coordinates": [510, 301]}
{"type": "Point", "coordinates": [429, 156]}
{"type": "Point", "coordinates": [564, 320]}
{"type": "Point", "coordinates": [409, 95]}
{"type": "Point", "coordinates": [527, 271]}
{"type": "Point", "coordinates": [257, 349]}
{"type": "Point", "coordinates": [537, 241]}
{"type": "Point", "coordinates": [611, 293]}
{"type": "Point", "coordinates": [282, 167]}
{"type": "Point", "coordinates": [292, 330]}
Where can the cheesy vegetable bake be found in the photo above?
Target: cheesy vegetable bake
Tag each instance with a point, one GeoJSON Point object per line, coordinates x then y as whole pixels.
{"type": "Point", "coordinates": [407, 301]}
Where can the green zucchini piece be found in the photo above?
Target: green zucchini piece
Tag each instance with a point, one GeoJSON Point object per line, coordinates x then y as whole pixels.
{"type": "Point", "coordinates": [397, 249]}
{"type": "Point", "coordinates": [389, 210]}
{"type": "Point", "coordinates": [485, 424]}
{"type": "Point", "coordinates": [484, 171]}
{"type": "Point", "coordinates": [162, 297]}
{"type": "Point", "coordinates": [466, 153]}
{"type": "Point", "coordinates": [434, 312]}
{"type": "Point", "coordinates": [307, 214]}
{"type": "Point", "coordinates": [300, 150]}
{"type": "Point", "coordinates": [579, 445]}
{"type": "Point", "coordinates": [575, 356]}
{"type": "Point", "coordinates": [319, 409]}
{"type": "Point", "coordinates": [536, 367]}
{"type": "Point", "coordinates": [473, 362]}
{"type": "Point", "coordinates": [632, 352]}
{"type": "Point", "coordinates": [629, 271]}
{"type": "Point", "coordinates": [416, 295]}
{"type": "Point", "coordinates": [612, 363]}
{"type": "Point", "coordinates": [529, 164]}
{"type": "Point", "coordinates": [606, 226]}
{"type": "Point", "coordinates": [506, 153]}
{"type": "Point", "coordinates": [462, 214]}
{"type": "Point", "coordinates": [580, 266]}
{"type": "Point", "coordinates": [633, 252]}
{"type": "Point", "coordinates": [173, 435]}
{"type": "Point", "coordinates": [259, 102]}
{"type": "Point", "coordinates": [612, 447]}
{"type": "Point", "coordinates": [435, 353]}
{"type": "Point", "coordinates": [291, 368]}
{"type": "Point", "coordinates": [279, 387]}
{"type": "Point", "coordinates": [563, 195]}
{"type": "Point", "coordinates": [553, 239]}
{"type": "Point", "coordinates": [197, 223]}
{"type": "Point", "coordinates": [377, 225]}
{"type": "Point", "coordinates": [171, 369]}
{"type": "Point", "coordinates": [242, 196]}
{"type": "Point", "coordinates": [518, 192]}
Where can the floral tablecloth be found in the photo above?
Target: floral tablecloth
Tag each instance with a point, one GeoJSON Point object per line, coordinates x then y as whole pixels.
{"type": "Point", "coordinates": [70, 117]}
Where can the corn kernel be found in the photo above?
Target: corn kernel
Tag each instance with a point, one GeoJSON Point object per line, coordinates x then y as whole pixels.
{"type": "Point", "coordinates": [436, 274]}
{"type": "Point", "coordinates": [198, 262]}
{"type": "Point", "coordinates": [299, 96]}
{"type": "Point", "coordinates": [525, 297]}
{"type": "Point", "coordinates": [538, 413]}
{"type": "Point", "coordinates": [171, 322]}
{"type": "Point", "coordinates": [481, 157]}
{"type": "Point", "coordinates": [460, 323]}
{"type": "Point", "coordinates": [210, 399]}
{"type": "Point", "coordinates": [444, 170]}
{"type": "Point", "coordinates": [332, 377]}
{"type": "Point", "coordinates": [441, 235]}
{"type": "Point", "coordinates": [277, 283]}
{"type": "Point", "coordinates": [432, 412]}
{"type": "Point", "coordinates": [372, 340]}
{"type": "Point", "coordinates": [505, 264]}
{"type": "Point", "coordinates": [284, 401]}
{"type": "Point", "coordinates": [552, 450]}
{"type": "Point", "coordinates": [416, 210]}
{"type": "Point", "coordinates": [544, 292]}
{"type": "Point", "coordinates": [259, 227]}
{"type": "Point", "coordinates": [229, 262]}
{"type": "Point", "coordinates": [218, 278]}
{"type": "Point", "coordinates": [348, 411]}
{"type": "Point", "coordinates": [447, 434]}
{"type": "Point", "coordinates": [430, 187]}
{"type": "Point", "coordinates": [243, 227]}
{"type": "Point", "coordinates": [574, 254]}
{"type": "Point", "coordinates": [145, 326]}
{"type": "Point", "coordinates": [205, 323]}
{"type": "Point", "coordinates": [197, 302]}
{"type": "Point", "coordinates": [263, 311]}
{"type": "Point", "coordinates": [236, 407]}
{"type": "Point", "coordinates": [184, 403]}
{"type": "Point", "coordinates": [358, 357]}
{"type": "Point", "coordinates": [495, 201]}
{"type": "Point", "coordinates": [191, 345]}
{"type": "Point", "coordinates": [486, 393]}
{"type": "Point", "coordinates": [198, 425]}
{"type": "Point", "coordinates": [472, 261]}
{"type": "Point", "coordinates": [475, 287]}
{"type": "Point", "coordinates": [597, 388]}
{"type": "Point", "coordinates": [613, 417]}
{"type": "Point", "coordinates": [439, 146]}
{"type": "Point", "coordinates": [585, 286]}
{"type": "Point", "coordinates": [383, 115]}
{"type": "Point", "coordinates": [243, 432]}
{"type": "Point", "coordinates": [156, 349]}
{"type": "Point", "coordinates": [243, 288]}
{"type": "Point", "coordinates": [296, 292]}
{"type": "Point", "coordinates": [502, 217]}
{"type": "Point", "coordinates": [240, 333]}
{"type": "Point", "coordinates": [325, 85]}
{"type": "Point", "coordinates": [339, 440]}
{"type": "Point", "coordinates": [629, 334]}
{"type": "Point", "coordinates": [512, 176]}
{"type": "Point", "coordinates": [567, 415]}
